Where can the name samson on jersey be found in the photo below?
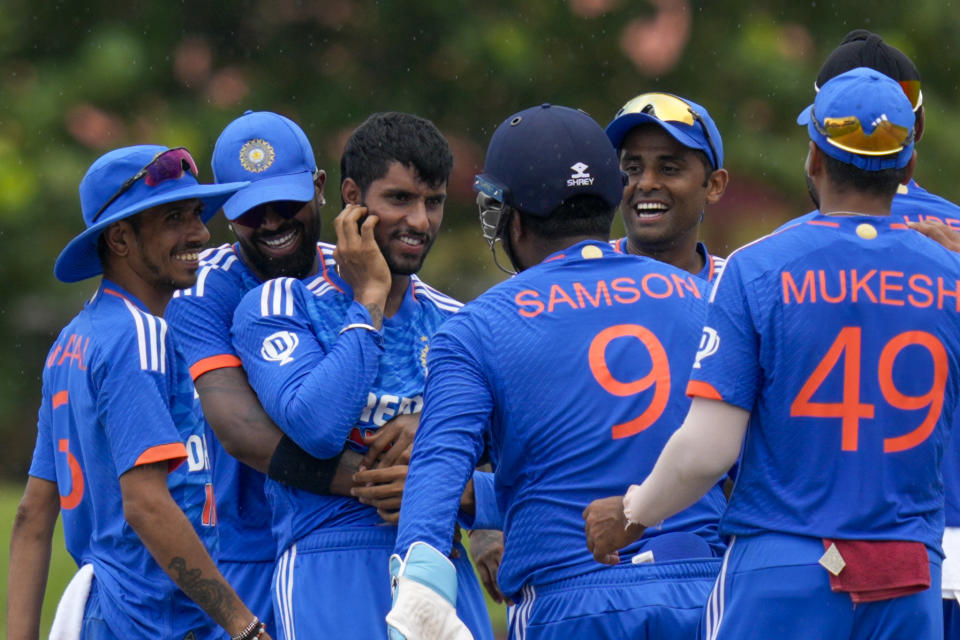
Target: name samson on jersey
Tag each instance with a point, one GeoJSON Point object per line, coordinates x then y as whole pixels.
{"type": "Point", "coordinates": [623, 290]}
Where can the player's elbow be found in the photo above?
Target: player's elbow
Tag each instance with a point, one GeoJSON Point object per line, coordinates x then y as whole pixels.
{"type": "Point", "coordinates": [37, 511]}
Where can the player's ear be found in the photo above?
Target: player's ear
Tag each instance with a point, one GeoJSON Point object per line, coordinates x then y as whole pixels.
{"type": "Point", "coordinates": [910, 167]}
{"type": "Point", "coordinates": [716, 185]}
{"type": "Point", "coordinates": [814, 163]}
{"type": "Point", "coordinates": [351, 192]}
{"type": "Point", "coordinates": [119, 237]}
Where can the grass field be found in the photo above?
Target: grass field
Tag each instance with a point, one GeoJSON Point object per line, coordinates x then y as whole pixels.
{"type": "Point", "coordinates": [62, 567]}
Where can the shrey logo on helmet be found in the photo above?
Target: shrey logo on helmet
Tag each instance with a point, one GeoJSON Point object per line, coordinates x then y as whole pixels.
{"type": "Point", "coordinates": [279, 347]}
{"type": "Point", "coordinates": [580, 177]}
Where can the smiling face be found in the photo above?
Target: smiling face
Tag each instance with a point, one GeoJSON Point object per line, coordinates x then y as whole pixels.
{"type": "Point", "coordinates": [284, 242]}
{"type": "Point", "coordinates": [669, 187]}
{"type": "Point", "coordinates": [169, 238]}
{"type": "Point", "coordinates": [409, 212]}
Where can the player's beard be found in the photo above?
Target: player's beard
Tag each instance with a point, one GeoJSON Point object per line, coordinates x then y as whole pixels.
{"type": "Point", "coordinates": [812, 191]}
{"type": "Point", "coordinates": [399, 267]}
{"type": "Point", "coordinates": [298, 264]}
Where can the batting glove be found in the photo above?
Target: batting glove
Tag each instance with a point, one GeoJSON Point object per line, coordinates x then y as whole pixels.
{"type": "Point", "coordinates": [424, 587]}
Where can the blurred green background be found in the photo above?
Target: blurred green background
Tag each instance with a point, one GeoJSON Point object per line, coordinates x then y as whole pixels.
{"type": "Point", "coordinates": [80, 78]}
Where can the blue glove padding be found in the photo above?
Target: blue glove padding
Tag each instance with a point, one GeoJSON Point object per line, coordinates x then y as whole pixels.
{"type": "Point", "coordinates": [424, 587]}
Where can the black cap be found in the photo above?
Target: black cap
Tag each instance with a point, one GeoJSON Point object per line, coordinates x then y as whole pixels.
{"type": "Point", "coordinates": [862, 48]}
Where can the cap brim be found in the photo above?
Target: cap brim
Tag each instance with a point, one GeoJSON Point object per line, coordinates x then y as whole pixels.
{"type": "Point", "coordinates": [804, 117]}
{"type": "Point", "coordinates": [618, 129]}
{"type": "Point", "coordinates": [79, 259]}
{"type": "Point", "coordinates": [298, 187]}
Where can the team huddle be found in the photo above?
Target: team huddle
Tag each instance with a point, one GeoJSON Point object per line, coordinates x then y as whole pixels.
{"type": "Point", "coordinates": [283, 438]}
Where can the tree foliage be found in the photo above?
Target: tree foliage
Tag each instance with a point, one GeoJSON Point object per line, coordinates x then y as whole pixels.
{"type": "Point", "coordinates": [77, 81]}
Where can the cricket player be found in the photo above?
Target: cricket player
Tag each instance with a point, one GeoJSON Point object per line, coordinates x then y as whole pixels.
{"type": "Point", "coordinates": [571, 376]}
{"type": "Point", "coordinates": [335, 363]}
{"type": "Point", "coordinates": [671, 150]}
{"type": "Point", "coordinates": [833, 362]}
{"type": "Point", "coordinates": [935, 217]}
{"type": "Point", "coordinates": [120, 446]}
{"type": "Point", "coordinates": [276, 220]}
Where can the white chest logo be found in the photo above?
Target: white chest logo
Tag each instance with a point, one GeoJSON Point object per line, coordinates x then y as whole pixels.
{"type": "Point", "coordinates": [709, 343]}
{"type": "Point", "coordinates": [279, 347]}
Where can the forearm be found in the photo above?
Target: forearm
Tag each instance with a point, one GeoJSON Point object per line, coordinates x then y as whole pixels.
{"type": "Point", "coordinates": [693, 460]}
{"type": "Point", "coordinates": [170, 538]}
{"type": "Point", "coordinates": [237, 417]}
{"type": "Point", "coordinates": [30, 542]}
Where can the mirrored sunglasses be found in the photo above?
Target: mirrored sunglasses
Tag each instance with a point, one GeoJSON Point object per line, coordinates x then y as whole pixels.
{"type": "Point", "coordinates": [669, 108]}
{"type": "Point", "coordinates": [847, 133]}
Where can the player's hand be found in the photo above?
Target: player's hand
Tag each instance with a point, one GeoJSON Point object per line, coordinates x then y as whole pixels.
{"type": "Point", "coordinates": [392, 443]}
{"type": "Point", "coordinates": [486, 551]}
{"type": "Point", "coordinates": [382, 489]}
{"type": "Point", "coordinates": [607, 529]}
{"type": "Point", "coordinates": [359, 260]}
{"type": "Point", "coordinates": [938, 232]}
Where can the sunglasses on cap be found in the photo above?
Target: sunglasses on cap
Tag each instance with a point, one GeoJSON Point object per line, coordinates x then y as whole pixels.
{"type": "Point", "coordinates": [847, 133]}
{"type": "Point", "coordinates": [166, 165]}
{"type": "Point", "coordinates": [669, 108]}
{"type": "Point", "coordinates": [286, 209]}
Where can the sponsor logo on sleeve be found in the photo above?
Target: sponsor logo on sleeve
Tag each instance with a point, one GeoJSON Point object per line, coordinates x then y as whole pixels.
{"type": "Point", "coordinates": [709, 343]}
{"type": "Point", "coordinates": [279, 347]}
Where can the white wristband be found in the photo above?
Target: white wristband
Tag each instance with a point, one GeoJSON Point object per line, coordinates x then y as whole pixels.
{"type": "Point", "coordinates": [358, 325]}
{"type": "Point", "coordinates": [630, 506]}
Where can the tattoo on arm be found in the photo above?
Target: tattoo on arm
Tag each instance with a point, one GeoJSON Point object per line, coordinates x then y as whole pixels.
{"type": "Point", "coordinates": [376, 314]}
{"type": "Point", "coordinates": [211, 595]}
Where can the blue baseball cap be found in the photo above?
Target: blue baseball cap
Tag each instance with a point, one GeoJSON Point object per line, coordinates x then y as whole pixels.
{"type": "Point", "coordinates": [542, 156]}
{"type": "Point", "coordinates": [104, 179]}
{"type": "Point", "coordinates": [687, 122]}
{"type": "Point", "coordinates": [272, 153]}
{"type": "Point", "coordinates": [862, 117]}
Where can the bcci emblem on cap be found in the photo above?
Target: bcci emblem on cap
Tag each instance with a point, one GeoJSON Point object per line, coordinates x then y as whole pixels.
{"type": "Point", "coordinates": [256, 156]}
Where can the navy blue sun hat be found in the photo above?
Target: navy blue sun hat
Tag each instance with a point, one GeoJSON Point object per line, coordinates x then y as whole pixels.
{"type": "Point", "coordinates": [272, 153]}
{"type": "Point", "coordinates": [102, 185]}
{"type": "Point", "coordinates": [862, 117]}
{"type": "Point", "coordinates": [542, 156]}
{"type": "Point", "coordinates": [686, 122]}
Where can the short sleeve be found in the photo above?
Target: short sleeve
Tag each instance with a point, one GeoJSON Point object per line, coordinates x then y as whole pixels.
{"type": "Point", "coordinates": [44, 463]}
{"type": "Point", "coordinates": [200, 319]}
{"type": "Point", "coordinates": [133, 400]}
{"type": "Point", "coordinates": [727, 363]}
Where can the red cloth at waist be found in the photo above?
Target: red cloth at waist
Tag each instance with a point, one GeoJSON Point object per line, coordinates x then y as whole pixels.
{"type": "Point", "coordinates": [880, 569]}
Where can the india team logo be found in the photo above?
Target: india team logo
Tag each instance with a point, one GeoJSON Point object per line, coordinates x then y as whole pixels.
{"type": "Point", "coordinates": [709, 343]}
{"type": "Point", "coordinates": [279, 347]}
{"type": "Point", "coordinates": [256, 155]}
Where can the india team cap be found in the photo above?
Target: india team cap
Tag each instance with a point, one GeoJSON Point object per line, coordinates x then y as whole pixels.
{"type": "Point", "coordinates": [862, 48]}
{"type": "Point", "coordinates": [108, 193]}
{"type": "Point", "coordinates": [685, 121]}
{"type": "Point", "coordinates": [542, 156]}
{"type": "Point", "coordinates": [862, 117]}
{"type": "Point", "coordinates": [272, 153]}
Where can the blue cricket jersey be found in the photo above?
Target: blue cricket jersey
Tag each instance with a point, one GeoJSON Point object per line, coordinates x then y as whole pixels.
{"type": "Point", "coordinates": [572, 374]}
{"type": "Point", "coordinates": [201, 317]}
{"type": "Point", "coordinates": [841, 336]}
{"type": "Point", "coordinates": [712, 265]}
{"type": "Point", "coordinates": [117, 394]}
{"type": "Point", "coordinates": [913, 203]}
{"type": "Point", "coordinates": [326, 386]}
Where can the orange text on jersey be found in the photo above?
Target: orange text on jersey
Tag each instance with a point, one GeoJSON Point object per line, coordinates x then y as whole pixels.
{"type": "Point", "coordinates": [873, 286]}
{"type": "Point", "coordinates": [622, 290]}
